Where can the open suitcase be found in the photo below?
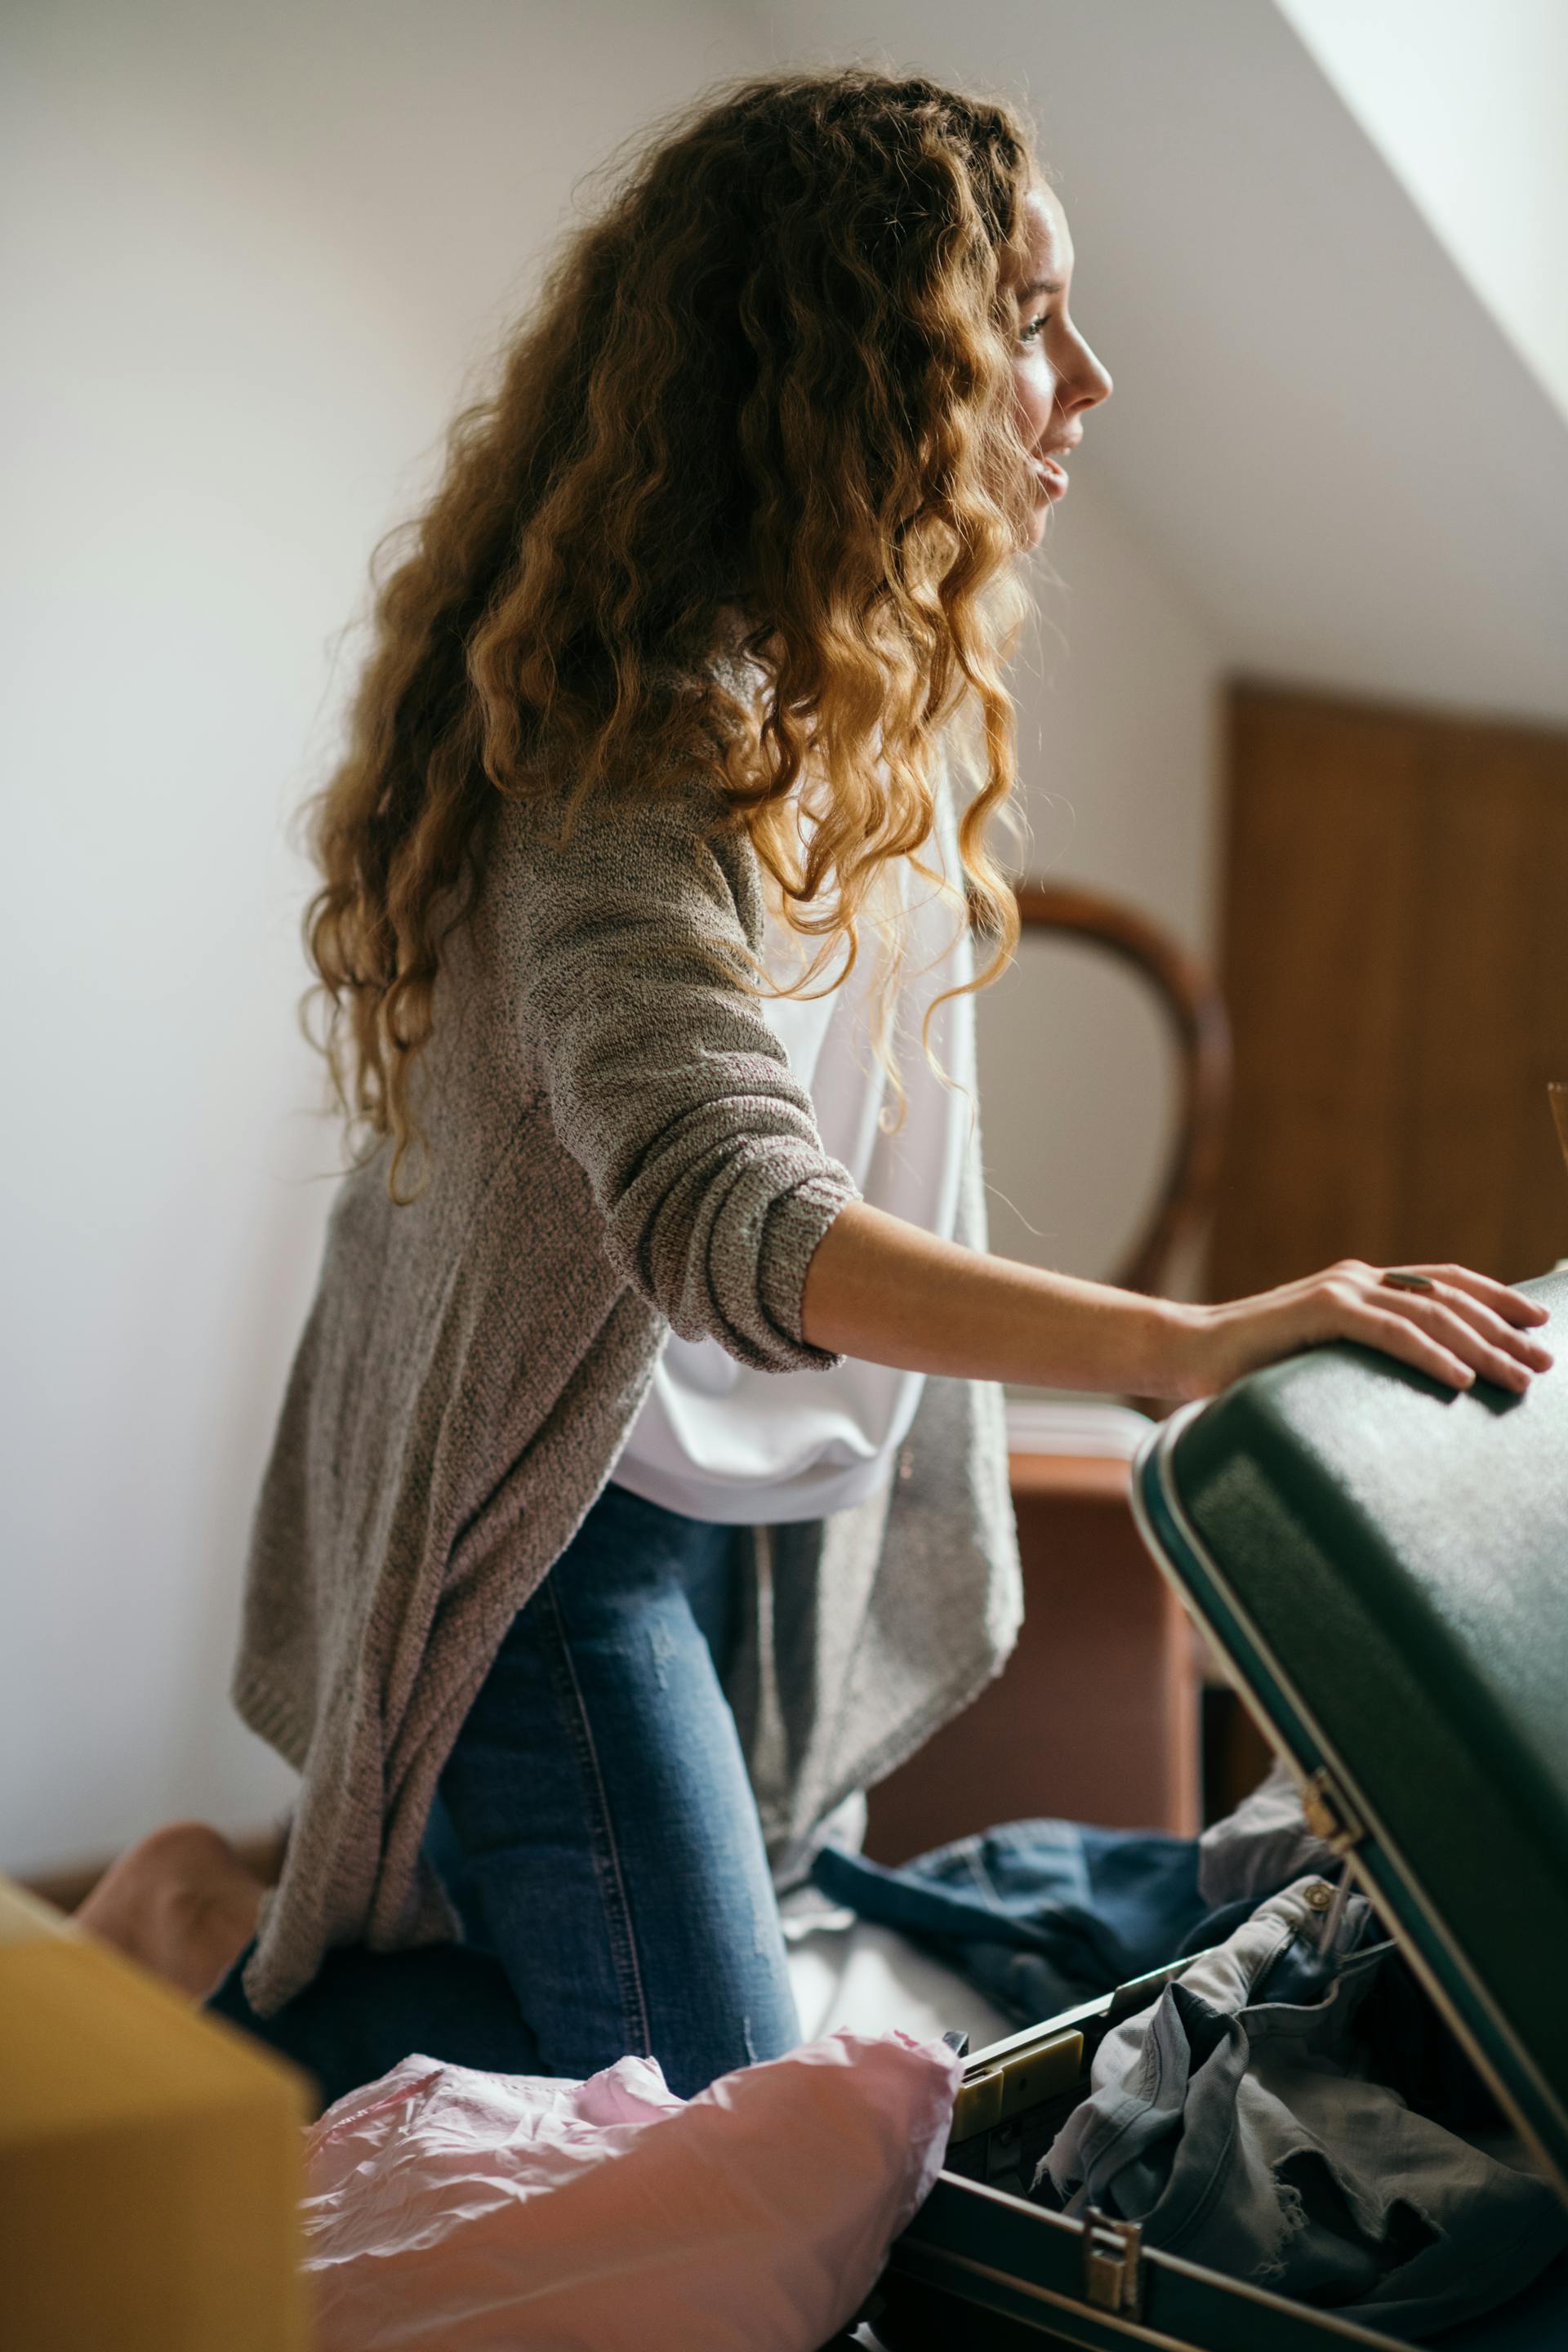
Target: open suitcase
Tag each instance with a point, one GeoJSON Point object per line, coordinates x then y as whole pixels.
{"type": "Point", "coordinates": [1384, 1566]}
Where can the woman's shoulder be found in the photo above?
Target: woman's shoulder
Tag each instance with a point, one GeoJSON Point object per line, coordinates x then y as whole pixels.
{"type": "Point", "coordinates": [671, 843]}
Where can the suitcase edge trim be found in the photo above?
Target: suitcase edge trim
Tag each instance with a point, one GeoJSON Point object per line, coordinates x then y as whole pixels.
{"type": "Point", "coordinates": [924, 2252]}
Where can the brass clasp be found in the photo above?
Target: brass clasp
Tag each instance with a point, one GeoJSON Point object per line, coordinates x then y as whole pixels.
{"type": "Point", "coordinates": [1112, 2263]}
{"type": "Point", "coordinates": [1329, 1816]}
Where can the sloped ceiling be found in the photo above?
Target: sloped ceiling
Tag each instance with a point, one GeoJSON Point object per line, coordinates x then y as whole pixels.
{"type": "Point", "coordinates": [1467, 100]}
{"type": "Point", "coordinates": [1316, 426]}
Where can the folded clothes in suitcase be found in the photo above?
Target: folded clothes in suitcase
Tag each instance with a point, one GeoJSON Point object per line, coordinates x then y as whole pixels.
{"type": "Point", "coordinates": [1383, 1563]}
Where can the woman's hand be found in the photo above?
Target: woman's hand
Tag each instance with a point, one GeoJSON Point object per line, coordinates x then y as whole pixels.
{"type": "Point", "coordinates": [1464, 1325]}
{"type": "Point", "coordinates": [885, 1291]}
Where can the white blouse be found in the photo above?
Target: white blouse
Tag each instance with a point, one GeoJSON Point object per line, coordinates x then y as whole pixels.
{"type": "Point", "coordinates": [719, 1440]}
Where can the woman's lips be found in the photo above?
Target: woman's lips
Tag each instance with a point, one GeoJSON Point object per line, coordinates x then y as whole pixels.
{"type": "Point", "coordinates": [1052, 478]}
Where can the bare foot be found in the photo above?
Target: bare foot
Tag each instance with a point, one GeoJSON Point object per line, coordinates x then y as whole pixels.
{"type": "Point", "coordinates": [180, 1902]}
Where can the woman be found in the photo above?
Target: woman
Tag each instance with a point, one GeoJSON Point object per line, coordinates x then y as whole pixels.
{"type": "Point", "coordinates": [639, 1494]}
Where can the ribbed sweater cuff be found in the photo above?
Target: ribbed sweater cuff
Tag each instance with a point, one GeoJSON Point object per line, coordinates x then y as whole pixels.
{"type": "Point", "coordinates": [795, 1224]}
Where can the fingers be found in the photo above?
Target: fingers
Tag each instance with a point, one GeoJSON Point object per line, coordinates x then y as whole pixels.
{"type": "Point", "coordinates": [1503, 1352]}
{"type": "Point", "coordinates": [1511, 1305]}
{"type": "Point", "coordinates": [1494, 1353]}
{"type": "Point", "coordinates": [1400, 1335]}
{"type": "Point", "coordinates": [1464, 1325]}
{"type": "Point", "coordinates": [1464, 1335]}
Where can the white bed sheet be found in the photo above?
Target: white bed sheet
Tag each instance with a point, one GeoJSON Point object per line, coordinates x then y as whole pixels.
{"type": "Point", "coordinates": [850, 1973]}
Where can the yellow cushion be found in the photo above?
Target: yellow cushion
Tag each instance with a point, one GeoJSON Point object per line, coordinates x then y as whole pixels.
{"type": "Point", "coordinates": [150, 2159]}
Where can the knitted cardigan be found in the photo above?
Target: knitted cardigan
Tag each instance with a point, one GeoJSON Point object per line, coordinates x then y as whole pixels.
{"type": "Point", "coordinates": [617, 1148]}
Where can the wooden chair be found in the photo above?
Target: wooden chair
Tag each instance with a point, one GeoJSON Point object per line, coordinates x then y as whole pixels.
{"type": "Point", "coordinates": [1188, 996]}
{"type": "Point", "coordinates": [1095, 1717]}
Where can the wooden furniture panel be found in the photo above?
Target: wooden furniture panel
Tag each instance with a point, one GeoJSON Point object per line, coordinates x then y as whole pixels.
{"type": "Point", "coordinates": [1395, 959]}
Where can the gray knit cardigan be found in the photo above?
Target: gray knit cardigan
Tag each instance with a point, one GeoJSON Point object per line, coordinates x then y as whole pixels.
{"type": "Point", "coordinates": [618, 1148]}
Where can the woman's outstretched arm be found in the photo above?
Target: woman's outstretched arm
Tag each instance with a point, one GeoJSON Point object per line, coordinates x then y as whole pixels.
{"type": "Point", "coordinates": [882, 1289]}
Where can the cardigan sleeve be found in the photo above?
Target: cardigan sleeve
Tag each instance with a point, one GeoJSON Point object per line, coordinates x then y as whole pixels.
{"type": "Point", "coordinates": [666, 1082]}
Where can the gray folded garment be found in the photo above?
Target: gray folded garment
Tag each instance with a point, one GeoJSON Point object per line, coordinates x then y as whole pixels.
{"type": "Point", "coordinates": [1250, 2133]}
{"type": "Point", "coordinates": [1262, 1846]}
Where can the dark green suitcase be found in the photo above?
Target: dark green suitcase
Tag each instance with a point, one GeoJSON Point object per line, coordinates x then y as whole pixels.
{"type": "Point", "coordinates": [1383, 1565]}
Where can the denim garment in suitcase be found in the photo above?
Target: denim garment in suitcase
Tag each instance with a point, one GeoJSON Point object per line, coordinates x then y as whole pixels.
{"type": "Point", "coordinates": [1383, 1564]}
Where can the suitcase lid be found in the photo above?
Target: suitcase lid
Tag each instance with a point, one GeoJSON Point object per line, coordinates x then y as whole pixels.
{"type": "Point", "coordinates": [1383, 1563]}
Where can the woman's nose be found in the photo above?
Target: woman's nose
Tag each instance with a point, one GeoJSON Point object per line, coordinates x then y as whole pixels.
{"type": "Point", "coordinates": [1087, 385]}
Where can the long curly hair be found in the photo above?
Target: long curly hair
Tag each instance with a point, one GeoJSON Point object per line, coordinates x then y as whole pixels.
{"type": "Point", "coordinates": [757, 425]}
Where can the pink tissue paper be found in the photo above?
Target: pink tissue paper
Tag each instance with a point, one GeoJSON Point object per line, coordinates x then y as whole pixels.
{"type": "Point", "coordinates": [504, 2213]}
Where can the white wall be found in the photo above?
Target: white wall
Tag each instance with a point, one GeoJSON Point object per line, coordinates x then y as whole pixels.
{"type": "Point", "coordinates": [1469, 100]}
{"type": "Point", "coordinates": [252, 254]}
{"type": "Point", "coordinates": [1118, 712]}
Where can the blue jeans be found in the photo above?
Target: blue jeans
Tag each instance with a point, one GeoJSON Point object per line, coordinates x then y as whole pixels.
{"type": "Point", "coordinates": [1037, 1914]}
{"type": "Point", "coordinates": [597, 1833]}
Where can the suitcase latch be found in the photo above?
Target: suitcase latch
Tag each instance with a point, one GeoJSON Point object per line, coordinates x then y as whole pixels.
{"type": "Point", "coordinates": [1112, 2263]}
{"type": "Point", "coordinates": [1026, 2074]}
{"type": "Point", "coordinates": [1329, 1816]}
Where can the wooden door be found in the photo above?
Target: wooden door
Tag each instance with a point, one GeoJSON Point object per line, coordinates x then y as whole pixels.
{"type": "Point", "coordinates": [1395, 959]}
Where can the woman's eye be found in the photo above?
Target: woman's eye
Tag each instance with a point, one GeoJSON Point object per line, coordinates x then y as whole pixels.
{"type": "Point", "coordinates": [1031, 332]}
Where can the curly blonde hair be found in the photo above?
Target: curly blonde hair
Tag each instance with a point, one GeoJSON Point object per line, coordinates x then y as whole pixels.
{"type": "Point", "coordinates": [758, 419]}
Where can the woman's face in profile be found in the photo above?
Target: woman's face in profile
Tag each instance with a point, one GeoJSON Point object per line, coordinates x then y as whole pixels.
{"type": "Point", "coordinates": [1056, 377]}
